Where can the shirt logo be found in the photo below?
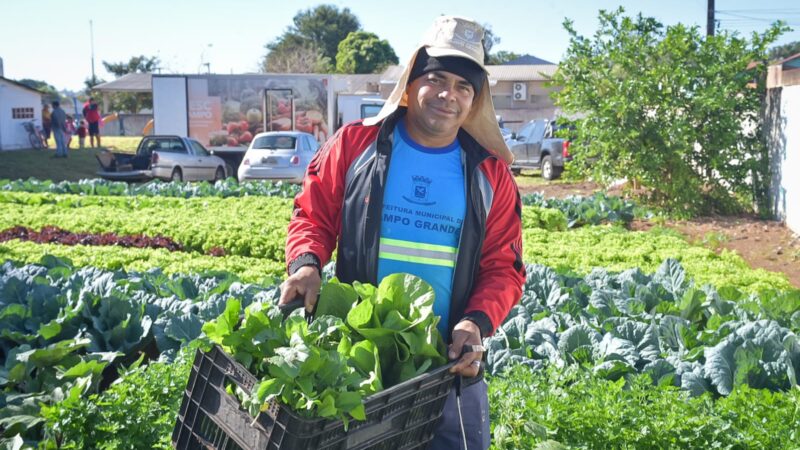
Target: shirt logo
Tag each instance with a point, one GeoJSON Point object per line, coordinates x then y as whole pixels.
{"type": "Point", "coordinates": [420, 187]}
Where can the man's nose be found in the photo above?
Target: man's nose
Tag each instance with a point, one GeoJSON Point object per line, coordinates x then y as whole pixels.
{"type": "Point", "coordinates": [447, 93]}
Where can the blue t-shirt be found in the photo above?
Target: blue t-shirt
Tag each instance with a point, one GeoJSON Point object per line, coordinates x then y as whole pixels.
{"type": "Point", "coordinates": [423, 210]}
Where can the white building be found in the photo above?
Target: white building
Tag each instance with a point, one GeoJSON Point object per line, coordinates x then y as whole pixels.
{"type": "Point", "coordinates": [18, 104]}
{"type": "Point", "coordinates": [783, 139]}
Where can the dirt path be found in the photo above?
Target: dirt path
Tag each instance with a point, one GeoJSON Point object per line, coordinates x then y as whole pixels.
{"type": "Point", "coordinates": [762, 243]}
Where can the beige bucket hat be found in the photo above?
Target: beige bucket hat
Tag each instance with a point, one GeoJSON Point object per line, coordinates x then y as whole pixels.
{"type": "Point", "coordinates": [455, 36]}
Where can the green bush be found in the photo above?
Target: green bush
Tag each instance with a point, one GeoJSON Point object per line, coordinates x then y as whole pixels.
{"type": "Point", "coordinates": [136, 412]}
{"type": "Point", "coordinates": [573, 408]}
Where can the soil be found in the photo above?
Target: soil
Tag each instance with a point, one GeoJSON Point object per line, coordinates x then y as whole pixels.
{"type": "Point", "coordinates": [765, 244]}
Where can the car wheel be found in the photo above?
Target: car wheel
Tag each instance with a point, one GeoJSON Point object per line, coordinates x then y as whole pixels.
{"type": "Point", "coordinates": [177, 175]}
{"type": "Point", "coordinates": [547, 168]}
{"type": "Point", "coordinates": [516, 171]}
{"type": "Point", "coordinates": [219, 174]}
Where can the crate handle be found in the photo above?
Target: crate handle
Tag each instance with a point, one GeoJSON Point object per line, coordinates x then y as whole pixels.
{"type": "Point", "coordinates": [297, 303]}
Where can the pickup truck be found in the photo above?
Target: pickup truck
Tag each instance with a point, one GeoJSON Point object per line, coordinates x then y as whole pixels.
{"type": "Point", "coordinates": [165, 157]}
{"type": "Point", "coordinates": [536, 147]}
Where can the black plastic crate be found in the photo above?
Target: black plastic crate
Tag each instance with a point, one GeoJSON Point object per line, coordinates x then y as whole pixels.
{"type": "Point", "coordinates": [400, 417]}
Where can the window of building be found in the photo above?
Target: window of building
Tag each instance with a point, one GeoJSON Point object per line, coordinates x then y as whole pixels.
{"type": "Point", "coordinates": [22, 113]}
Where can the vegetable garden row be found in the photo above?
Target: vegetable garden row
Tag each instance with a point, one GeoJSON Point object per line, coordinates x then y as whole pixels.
{"type": "Point", "coordinates": [622, 339]}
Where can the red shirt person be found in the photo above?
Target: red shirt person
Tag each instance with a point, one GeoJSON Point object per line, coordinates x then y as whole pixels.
{"type": "Point", "coordinates": [91, 112]}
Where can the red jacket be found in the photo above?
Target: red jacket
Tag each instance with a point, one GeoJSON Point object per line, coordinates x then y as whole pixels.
{"type": "Point", "coordinates": [341, 206]}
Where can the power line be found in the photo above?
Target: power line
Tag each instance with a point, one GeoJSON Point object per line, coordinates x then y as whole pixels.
{"type": "Point", "coordinates": [762, 11]}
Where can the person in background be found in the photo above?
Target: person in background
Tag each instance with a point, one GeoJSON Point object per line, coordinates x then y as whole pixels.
{"type": "Point", "coordinates": [58, 121]}
{"type": "Point", "coordinates": [69, 131]}
{"type": "Point", "coordinates": [92, 114]}
{"type": "Point", "coordinates": [46, 124]}
{"type": "Point", "coordinates": [82, 132]}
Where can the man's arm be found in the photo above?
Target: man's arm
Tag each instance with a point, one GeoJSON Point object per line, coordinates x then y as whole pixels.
{"type": "Point", "coordinates": [500, 277]}
{"type": "Point", "coordinates": [315, 223]}
{"type": "Point", "coordinates": [501, 272]}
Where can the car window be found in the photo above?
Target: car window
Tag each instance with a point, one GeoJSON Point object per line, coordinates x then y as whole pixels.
{"type": "Point", "coordinates": [149, 145]}
{"type": "Point", "coordinates": [525, 131]}
{"type": "Point", "coordinates": [311, 144]}
{"type": "Point", "coordinates": [198, 148]}
{"type": "Point", "coordinates": [275, 142]}
{"type": "Point", "coordinates": [171, 145]}
{"type": "Point", "coordinates": [370, 110]}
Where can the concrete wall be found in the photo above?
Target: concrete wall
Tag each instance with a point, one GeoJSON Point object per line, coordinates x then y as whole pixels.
{"type": "Point", "coordinates": [538, 104]}
{"type": "Point", "coordinates": [12, 133]}
{"type": "Point", "coordinates": [783, 137]}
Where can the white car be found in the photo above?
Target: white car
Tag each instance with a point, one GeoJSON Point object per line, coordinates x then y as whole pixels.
{"type": "Point", "coordinates": [278, 155]}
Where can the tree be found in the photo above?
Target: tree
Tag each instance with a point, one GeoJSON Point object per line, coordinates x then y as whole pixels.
{"type": "Point", "coordinates": [49, 91]}
{"type": "Point", "coordinates": [140, 64]}
{"type": "Point", "coordinates": [489, 41]}
{"type": "Point", "coordinates": [326, 27]}
{"type": "Point", "coordinates": [501, 57]}
{"type": "Point", "coordinates": [292, 53]}
{"type": "Point", "coordinates": [364, 52]}
{"type": "Point", "coordinates": [780, 52]}
{"type": "Point", "coordinates": [671, 110]}
{"type": "Point", "coordinates": [311, 43]}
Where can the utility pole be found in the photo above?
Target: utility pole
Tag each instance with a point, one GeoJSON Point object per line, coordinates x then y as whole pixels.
{"type": "Point", "coordinates": [710, 19]}
{"type": "Point", "coordinates": [91, 38]}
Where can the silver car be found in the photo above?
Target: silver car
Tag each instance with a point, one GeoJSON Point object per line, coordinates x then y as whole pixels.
{"type": "Point", "coordinates": [173, 158]}
{"type": "Point", "coordinates": [278, 155]}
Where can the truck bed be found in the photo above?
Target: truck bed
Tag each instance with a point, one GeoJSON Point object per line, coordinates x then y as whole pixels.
{"type": "Point", "coordinates": [124, 167]}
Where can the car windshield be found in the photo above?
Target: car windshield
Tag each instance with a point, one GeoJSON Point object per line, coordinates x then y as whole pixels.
{"type": "Point", "coordinates": [275, 142]}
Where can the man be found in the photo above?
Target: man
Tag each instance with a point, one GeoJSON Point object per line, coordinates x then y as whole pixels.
{"type": "Point", "coordinates": [423, 188]}
{"type": "Point", "coordinates": [92, 115]}
{"type": "Point", "coordinates": [58, 123]}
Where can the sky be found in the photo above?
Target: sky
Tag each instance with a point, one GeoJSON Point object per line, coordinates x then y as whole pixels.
{"type": "Point", "coordinates": [50, 40]}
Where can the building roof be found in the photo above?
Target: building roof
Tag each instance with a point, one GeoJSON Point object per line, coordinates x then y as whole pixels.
{"type": "Point", "coordinates": [521, 72]}
{"type": "Point", "coordinates": [527, 60]}
{"type": "Point", "coordinates": [792, 62]}
{"type": "Point", "coordinates": [356, 83]}
{"type": "Point", "coordinates": [132, 82]}
{"type": "Point", "coordinates": [392, 74]}
{"type": "Point", "coordinates": [20, 85]}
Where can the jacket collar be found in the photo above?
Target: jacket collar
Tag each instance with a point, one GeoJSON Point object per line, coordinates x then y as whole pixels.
{"type": "Point", "coordinates": [476, 153]}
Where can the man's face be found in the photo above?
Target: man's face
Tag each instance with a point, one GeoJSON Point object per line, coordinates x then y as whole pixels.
{"type": "Point", "coordinates": [438, 103]}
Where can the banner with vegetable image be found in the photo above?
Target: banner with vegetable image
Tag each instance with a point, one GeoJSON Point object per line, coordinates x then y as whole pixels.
{"type": "Point", "coordinates": [228, 110]}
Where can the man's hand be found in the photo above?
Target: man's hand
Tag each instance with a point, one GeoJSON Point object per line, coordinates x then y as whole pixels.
{"type": "Point", "coordinates": [466, 333]}
{"type": "Point", "coordinates": [303, 283]}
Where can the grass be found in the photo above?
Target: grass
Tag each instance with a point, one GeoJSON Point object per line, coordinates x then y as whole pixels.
{"type": "Point", "coordinates": [81, 163]}
{"type": "Point", "coordinates": [528, 178]}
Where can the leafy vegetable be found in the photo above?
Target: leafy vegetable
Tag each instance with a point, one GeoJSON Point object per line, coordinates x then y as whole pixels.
{"type": "Point", "coordinates": [362, 340]}
{"type": "Point", "coordinates": [662, 325]}
{"type": "Point", "coordinates": [594, 210]}
{"type": "Point", "coordinates": [223, 188]}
